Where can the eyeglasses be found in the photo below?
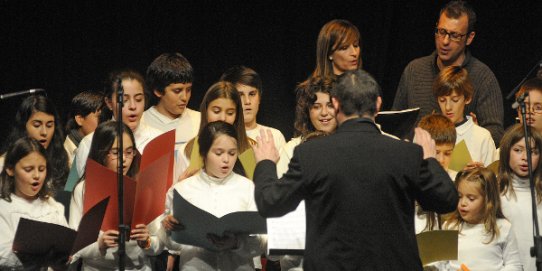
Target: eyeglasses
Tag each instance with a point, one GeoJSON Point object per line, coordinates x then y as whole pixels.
{"type": "Point", "coordinates": [535, 109]}
{"type": "Point", "coordinates": [442, 33]}
{"type": "Point", "coordinates": [128, 153]}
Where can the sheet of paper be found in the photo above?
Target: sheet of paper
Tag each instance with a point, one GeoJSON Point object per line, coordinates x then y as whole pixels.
{"type": "Point", "coordinates": [438, 245]}
{"type": "Point", "coordinates": [460, 156]}
{"type": "Point", "coordinates": [198, 223]}
{"type": "Point", "coordinates": [286, 234]}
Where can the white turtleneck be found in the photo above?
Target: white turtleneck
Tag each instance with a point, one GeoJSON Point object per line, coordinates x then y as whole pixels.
{"type": "Point", "coordinates": [519, 212]}
{"type": "Point", "coordinates": [474, 251]}
{"type": "Point", "coordinates": [218, 197]}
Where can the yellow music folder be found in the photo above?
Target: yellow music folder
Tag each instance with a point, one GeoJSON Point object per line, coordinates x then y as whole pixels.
{"type": "Point", "coordinates": [438, 245]}
{"type": "Point", "coordinates": [460, 157]}
{"type": "Point", "coordinates": [494, 167]}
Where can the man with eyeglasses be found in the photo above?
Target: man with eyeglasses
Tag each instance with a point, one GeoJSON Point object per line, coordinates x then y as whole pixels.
{"type": "Point", "coordinates": [453, 33]}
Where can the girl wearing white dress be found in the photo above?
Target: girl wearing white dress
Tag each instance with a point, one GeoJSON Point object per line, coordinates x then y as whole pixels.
{"type": "Point", "coordinates": [102, 255]}
{"type": "Point", "coordinates": [218, 190]}
{"type": "Point", "coordinates": [486, 241]}
{"type": "Point", "coordinates": [515, 191]}
{"type": "Point", "coordinates": [25, 186]}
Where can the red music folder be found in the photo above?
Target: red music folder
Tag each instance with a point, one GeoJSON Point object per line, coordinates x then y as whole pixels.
{"type": "Point", "coordinates": [144, 196]}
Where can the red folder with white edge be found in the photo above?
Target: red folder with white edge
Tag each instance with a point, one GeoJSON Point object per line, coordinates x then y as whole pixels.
{"type": "Point", "coordinates": [144, 196]}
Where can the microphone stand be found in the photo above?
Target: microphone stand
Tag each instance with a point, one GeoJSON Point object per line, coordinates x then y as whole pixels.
{"type": "Point", "coordinates": [123, 229]}
{"type": "Point", "coordinates": [536, 250]}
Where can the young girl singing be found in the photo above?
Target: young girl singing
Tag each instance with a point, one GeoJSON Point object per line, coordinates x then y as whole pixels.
{"type": "Point", "coordinates": [37, 118]}
{"type": "Point", "coordinates": [219, 191]}
{"type": "Point", "coordinates": [514, 187]}
{"type": "Point", "coordinates": [25, 193]}
{"type": "Point", "coordinates": [220, 103]}
{"type": "Point", "coordinates": [486, 240]}
{"type": "Point", "coordinates": [102, 255]}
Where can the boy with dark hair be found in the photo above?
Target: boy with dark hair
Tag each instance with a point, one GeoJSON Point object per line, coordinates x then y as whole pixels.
{"type": "Point", "coordinates": [83, 119]}
{"type": "Point", "coordinates": [170, 78]}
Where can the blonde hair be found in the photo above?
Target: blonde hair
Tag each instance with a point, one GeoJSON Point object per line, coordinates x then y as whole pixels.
{"type": "Point", "coordinates": [488, 188]}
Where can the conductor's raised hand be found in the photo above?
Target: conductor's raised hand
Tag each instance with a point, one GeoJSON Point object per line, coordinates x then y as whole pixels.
{"type": "Point", "coordinates": [265, 149]}
{"type": "Point", "coordinates": [423, 138]}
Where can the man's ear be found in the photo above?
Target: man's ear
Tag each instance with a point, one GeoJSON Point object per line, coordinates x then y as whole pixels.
{"type": "Point", "coordinates": [470, 37]}
{"type": "Point", "coordinates": [378, 104]}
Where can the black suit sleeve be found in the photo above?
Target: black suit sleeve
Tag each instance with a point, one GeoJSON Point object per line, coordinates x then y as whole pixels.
{"type": "Point", "coordinates": [436, 191]}
{"type": "Point", "coordinates": [276, 197]}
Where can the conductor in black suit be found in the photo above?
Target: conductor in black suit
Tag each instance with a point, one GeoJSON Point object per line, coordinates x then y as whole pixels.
{"type": "Point", "coordinates": [359, 186]}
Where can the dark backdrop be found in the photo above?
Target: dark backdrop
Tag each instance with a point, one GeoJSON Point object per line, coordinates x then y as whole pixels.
{"type": "Point", "coordinates": [70, 46]}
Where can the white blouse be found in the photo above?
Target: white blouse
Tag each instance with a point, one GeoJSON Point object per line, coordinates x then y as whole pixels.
{"type": "Point", "coordinates": [11, 212]}
{"type": "Point", "coordinates": [217, 197]}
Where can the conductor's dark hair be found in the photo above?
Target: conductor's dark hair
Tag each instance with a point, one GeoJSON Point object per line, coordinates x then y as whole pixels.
{"type": "Point", "coordinates": [357, 92]}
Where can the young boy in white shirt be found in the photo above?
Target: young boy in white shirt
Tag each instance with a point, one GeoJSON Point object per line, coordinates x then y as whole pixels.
{"type": "Point", "coordinates": [169, 77]}
{"type": "Point", "coordinates": [453, 91]}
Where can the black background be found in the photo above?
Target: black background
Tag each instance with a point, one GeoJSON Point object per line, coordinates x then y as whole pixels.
{"type": "Point", "coordinates": [70, 46]}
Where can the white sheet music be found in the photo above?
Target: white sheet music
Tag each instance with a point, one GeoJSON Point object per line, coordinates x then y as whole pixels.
{"type": "Point", "coordinates": [288, 231]}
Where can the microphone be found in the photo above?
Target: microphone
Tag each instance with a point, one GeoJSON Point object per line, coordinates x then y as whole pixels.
{"type": "Point", "coordinates": [20, 93]}
{"type": "Point", "coordinates": [520, 99]}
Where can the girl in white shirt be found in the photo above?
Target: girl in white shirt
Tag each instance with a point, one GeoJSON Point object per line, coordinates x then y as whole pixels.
{"type": "Point", "coordinates": [486, 240]}
{"type": "Point", "coordinates": [220, 103]}
{"type": "Point", "coordinates": [102, 255]}
{"type": "Point", "coordinates": [219, 191]}
{"type": "Point", "coordinates": [38, 118]}
{"type": "Point", "coordinates": [25, 187]}
{"type": "Point", "coordinates": [515, 189]}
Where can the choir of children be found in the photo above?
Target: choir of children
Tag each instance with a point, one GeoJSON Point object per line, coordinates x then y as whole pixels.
{"type": "Point", "coordinates": [213, 164]}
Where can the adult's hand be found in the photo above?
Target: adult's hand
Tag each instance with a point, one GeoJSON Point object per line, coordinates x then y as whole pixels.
{"type": "Point", "coordinates": [423, 138]}
{"type": "Point", "coordinates": [265, 149]}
